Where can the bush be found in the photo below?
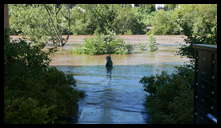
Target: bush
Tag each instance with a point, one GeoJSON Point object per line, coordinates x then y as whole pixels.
{"type": "Point", "coordinates": [164, 23]}
{"type": "Point", "coordinates": [143, 46]}
{"type": "Point", "coordinates": [199, 24]}
{"type": "Point", "coordinates": [34, 92]}
{"type": "Point", "coordinates": [127, 22]}
{"type": "Point", "coordinates": [171, 96]}
{"type": "Point", "coordinates": [27, 111]}
{"type": "Point", "coordinates": [24, 20]}
{"type": "Point", "coordinates": [170, 6]}
{"type": "Point", "coordinates": [32, 20]}
{"type": "Point", "coordinates": [103, 44]}
{"type": "Point", "coordinates": [152, 46]}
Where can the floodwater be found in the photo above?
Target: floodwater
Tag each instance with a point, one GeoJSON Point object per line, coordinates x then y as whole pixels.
{"type": "Point", "coordinates": [165, 54]}
{"type": "Point", "coordinates": [119, 97]}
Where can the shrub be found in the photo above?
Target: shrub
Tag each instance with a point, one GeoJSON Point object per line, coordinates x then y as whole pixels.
{"type": "Point", "coordinates": [103, 44]}
{"type": "Point", "coordinates": [171, 96]}
{"type": "Point", "coordinates": [27, 111]}
{"type": "Point", "coordinates": [164, 23]}
{"type": "Point", "coordinates": [88, 19]}
{"type": "Point", "coordinates": [152, 44]}
{"type": "Point", "coordinates": [127, 22]}
{"type": "Point", "coordinates": [199, 24]}
{"type": "Point", "coordinates": [143, 46]}
{"type": "Point", "coordinates": [37, 24]}
{"type": "Point", "coordinates": [34, 92]}
{"type": "Point", "coordinates": [170, 6]}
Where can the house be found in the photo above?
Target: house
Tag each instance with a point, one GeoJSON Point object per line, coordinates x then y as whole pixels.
{"type": "Point", "coordinates": [134, 5]}
{"type": "Point", "coordinates": [159, 6]}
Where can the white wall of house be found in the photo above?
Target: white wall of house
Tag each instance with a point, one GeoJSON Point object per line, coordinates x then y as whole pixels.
{"type": "Point", "coordinates": [159, 6]}
{"type": "Point", "coordinates": [132, 5]}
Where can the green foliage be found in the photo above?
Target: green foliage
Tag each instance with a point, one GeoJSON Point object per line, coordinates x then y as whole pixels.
{"type": "Point", "coordinates": [104, 16]}
{"type": "Point", "coordinates": [36, 24]}
{"type": "Point", "coordinates": [146, 8]}
{"type": "Point", "coordinates": [22, 59]}
{"type": "Point", "coordinates": [34, 92]}
{"type": "Point", "coordinates": [153, 83]}
{"type": "Point", "coordinates": [93, 19]}
{"type": "Point", "coordinates": [29, 21]}
{"type": "Point", "coordinates": [27, 111]}
{"type": "Point", "coordinates": [171, 96]}
{"type": "Point", "coordinates": [103, 44]}
{"type": "Point", "coordinates": [143, 46]}
{"type": "Point", "coordinates": [164, 22]}
{"type": "Point", "coordinates": [144, 13]}
{"type": "Point", "coordinates": [101, 18]}
{"type": "Point", "coordinates": [82, 19]}
{"type": "Point", "coordinates": [127, 21]}
{"type": "Point", "coordinates": [199, 24]}
{"type": "Point", "coordinates": [170, 6]}
{"type": "Point", "coordinates": [152, 45]}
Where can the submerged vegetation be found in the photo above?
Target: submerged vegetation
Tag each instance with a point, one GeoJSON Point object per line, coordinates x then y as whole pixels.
{"type": "Point", "coordinates": [103, 44]}
{"type": "Point", "coordinates": [152, 45]}
{"type": "Point", "coordinates": [34, 92]}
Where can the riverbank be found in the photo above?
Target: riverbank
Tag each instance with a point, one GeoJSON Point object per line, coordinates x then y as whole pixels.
{"type": "Point", "coordinates": [162, 39]}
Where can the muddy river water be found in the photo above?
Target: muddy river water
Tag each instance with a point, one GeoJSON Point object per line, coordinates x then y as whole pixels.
{"type": "Point", "coordinates": [119, 97]}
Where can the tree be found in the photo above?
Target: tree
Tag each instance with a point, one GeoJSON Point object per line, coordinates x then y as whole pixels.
{"type": "Point", "coordinates": [41, 23]}
{"type": "Point", "coordinates": [104, 16]}
{"type": "Point", "coordinates": [29, 21]}
{"type": "Point", "coordinates": [146, 8]}
{"type": "Point", "coordinates": [170, 6]}
{"type": "Point", "coordinates": [56, 18]}
{"type": "Point", "coordinates": [164, 22]}
{"type": "Point", "coordinates": [127, 22]}
{"type": "Point", "coordinates": [199, 24]}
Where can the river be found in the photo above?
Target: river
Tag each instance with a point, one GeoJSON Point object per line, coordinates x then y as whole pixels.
{"type": "Point", "coordinates": [117, 98]}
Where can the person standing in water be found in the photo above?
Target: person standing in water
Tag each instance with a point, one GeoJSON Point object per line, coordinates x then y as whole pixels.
{"type": "Point", "coordinates": [109, 64]}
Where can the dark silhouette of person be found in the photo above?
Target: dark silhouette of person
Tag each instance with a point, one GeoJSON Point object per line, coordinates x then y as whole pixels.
{"type": "Point", "coordinates": [109, 64]}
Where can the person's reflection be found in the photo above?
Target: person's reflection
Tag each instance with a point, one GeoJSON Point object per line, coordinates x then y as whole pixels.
{"type": "Point", "coordinates": [109, 65]}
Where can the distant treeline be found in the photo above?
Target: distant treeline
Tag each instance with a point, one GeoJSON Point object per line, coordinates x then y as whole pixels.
{"type": "Point", "coordinates": [33, 19]}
